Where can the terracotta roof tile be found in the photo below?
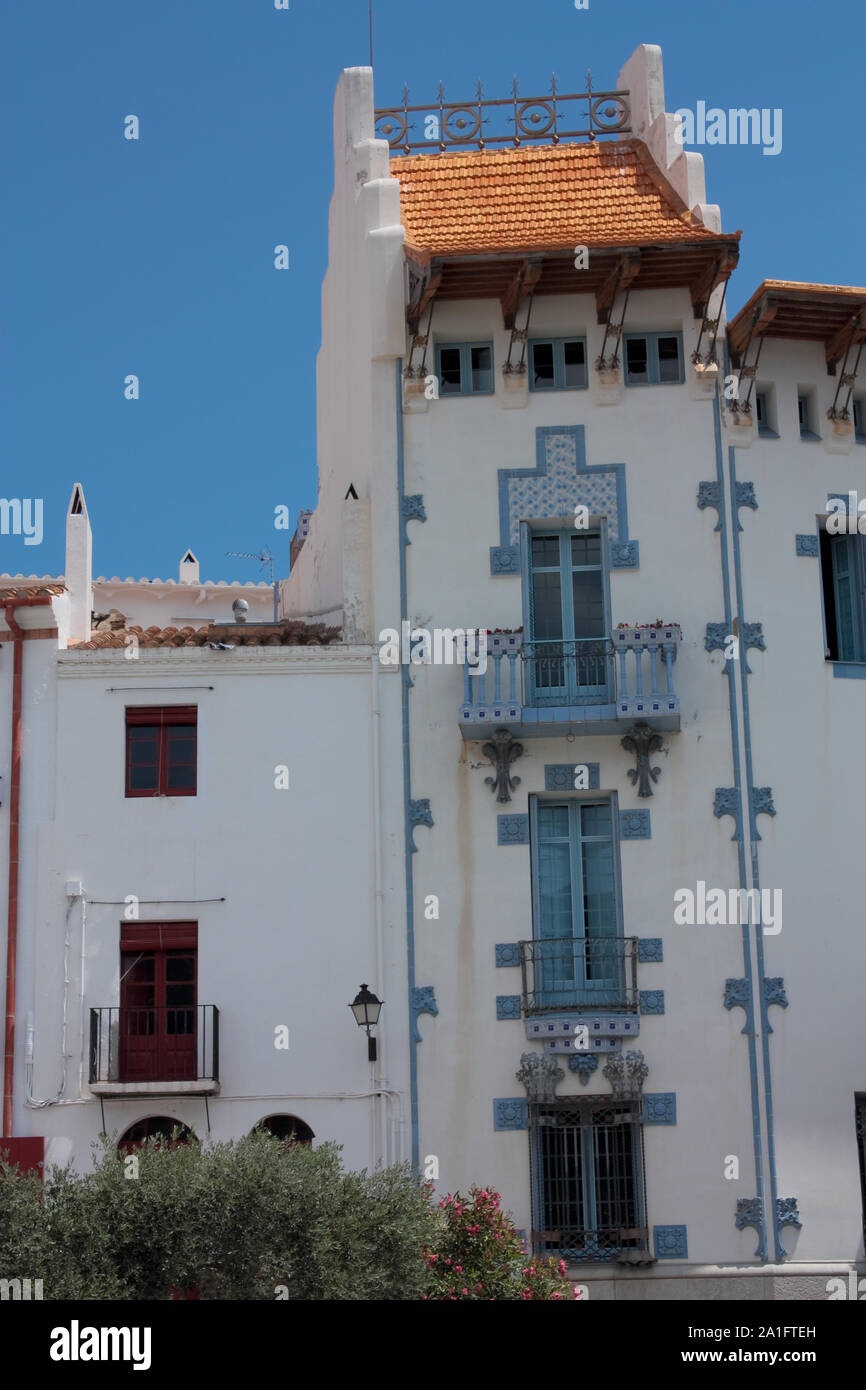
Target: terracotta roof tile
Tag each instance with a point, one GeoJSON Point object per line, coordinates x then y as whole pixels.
{"type": "Point", "coordinates": [288, 633]}
{"type": "Point", "coordinates": [541, 198]}
{"type": "Point", "coordinates": [26, 589]}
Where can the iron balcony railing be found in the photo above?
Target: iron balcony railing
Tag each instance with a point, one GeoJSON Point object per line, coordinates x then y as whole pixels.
{"type": "Point", "coordinates": [579, 972]}
{"type": "Point", "coordinates": [576, 672]}
{"type": "Point", "coordinates": [154, 1044]}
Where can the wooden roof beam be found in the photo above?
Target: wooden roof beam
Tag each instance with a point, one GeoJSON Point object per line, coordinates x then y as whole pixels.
{"type": "Point", "coordinates": [712, 275]}
{"type": "Point", "coordinates": [520, 288]}
{"type": "Point", "coordinates": [620, 277]}
{"type": "Point", "coordinates": [852, 331]}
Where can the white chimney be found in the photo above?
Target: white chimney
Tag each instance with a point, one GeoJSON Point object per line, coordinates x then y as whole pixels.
{"type": "Point", "coordinates": [189, 569]}
{"type": "Point", "coordinates": [79, 566]}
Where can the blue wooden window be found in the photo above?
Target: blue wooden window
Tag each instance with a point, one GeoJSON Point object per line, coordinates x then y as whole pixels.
{"type": "Point", "coordinates": [804, 413]}
{"type": "Point", "coordinates": [557, 364]}
{"type": "Point", "coordinates": [843, 579]}
{"type": "Point", "coordinates": [566, 657]}
{"type": "Point", "coordinates": [653, 359]}
{"type": "Point", "coordinates": [586, 1157]}
{"type": "Point", "coordinates": [762, 412]}
{"type": "Point", "coordinates": [464, 369]}
{"type": "Point", "coordinates": [578, 950]}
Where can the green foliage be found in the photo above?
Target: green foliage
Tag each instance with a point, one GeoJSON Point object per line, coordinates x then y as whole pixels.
{"type": "Point", "coordinates": [235, 1221]}
{"type": "Point", "coordinates": [478, 1256]}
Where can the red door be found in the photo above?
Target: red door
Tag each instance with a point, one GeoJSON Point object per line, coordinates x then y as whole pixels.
{"type": "Point", "coordinates": [157, 1004]}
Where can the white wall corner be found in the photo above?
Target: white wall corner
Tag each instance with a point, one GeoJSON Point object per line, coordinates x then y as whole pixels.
{"type": "Point", "coordinates": [357, 571]}
{"type": "Point", "coordinates": [643, 76]}
{"type": "Point", "coordinates": [387, 292]}
{"type": "Point", "coordinates": [79, 566]}
{"type": "Point", "coordinates": [710, 214]}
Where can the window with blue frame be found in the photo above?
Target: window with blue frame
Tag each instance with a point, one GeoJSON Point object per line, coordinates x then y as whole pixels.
{"type": "Point", "coordinates": [859, 422]}
{"type": "Point", "coordinates": [588, 1198]}
{"type": "Point", "coordinates": [557, 364]}
{"type": "Point", "coordinates": [464, 369]}
{"type": "Point", "coordinates": [653, 359]}
{"type": "Point", "coordinates": [577, 952]}
{"type": "Point", "coordinates": [843, 576]}
{"type": "Point", "coordinates": [567, 656]}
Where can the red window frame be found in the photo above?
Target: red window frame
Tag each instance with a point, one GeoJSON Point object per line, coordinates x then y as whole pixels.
{"type": "Point", "coordinates": [166, 764]}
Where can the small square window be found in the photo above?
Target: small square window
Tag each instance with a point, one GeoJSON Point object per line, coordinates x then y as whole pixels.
{"type": "Point", "coordinates": [859, 424]}
{"type": "Point", "coordinates": [653, 359]}
{"type": "Point", "coordinates": [161, 750]}
{"type": "Point", "coordinates": [557, 364]}
{"type": "Point", "coordinates": [764, 415]}
{"type": "Point", "coordinates": [465, 369]}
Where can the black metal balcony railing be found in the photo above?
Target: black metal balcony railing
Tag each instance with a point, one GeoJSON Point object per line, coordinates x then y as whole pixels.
{"type": "Point", "coordinates": [154, 1044]}
{"type": "Point", "coordinates": [579, 972]}
{"type": "Point", "coordinates": [580, 671]}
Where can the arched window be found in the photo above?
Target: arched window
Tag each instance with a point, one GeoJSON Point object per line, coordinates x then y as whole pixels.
{"type": "Point", "coordinates": [156, 1127]}
{"type": "Point", "coordinates": [288, 1128]}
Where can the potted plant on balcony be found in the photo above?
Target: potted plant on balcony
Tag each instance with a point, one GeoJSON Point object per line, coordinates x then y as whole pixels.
{"type": "Point", "coordinates": [641, 634]}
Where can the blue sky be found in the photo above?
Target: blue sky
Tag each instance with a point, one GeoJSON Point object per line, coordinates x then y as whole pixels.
{"type": "Point", "coordinates": [155, 256]}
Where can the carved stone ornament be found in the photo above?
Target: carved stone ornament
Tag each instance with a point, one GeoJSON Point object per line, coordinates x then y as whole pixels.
{"type": "Point", "coordinates": [502, 750]}
{"type": "Point", "coordinates": [540, 1073]}
{"type": "Point", "coordinates": [626, 1074]}
{"type": "Point", "coordinates": [643, 741]}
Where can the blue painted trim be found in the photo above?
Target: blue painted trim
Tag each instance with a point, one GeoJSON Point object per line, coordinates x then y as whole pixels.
{"type": "Point", "coordinates": [512, 830]}
{"type": "Point", "coordinates": [670, 1243]}
{"type": "Point", "coordinates": [624, 555]}
{"type": "Point", "coordinates": [507, 953]}
{"type": "Point", "coordinates": [510, 1113]}
{"type": "Point", "coordinates": [758, 800]}
{"type": "Point", "coordinates": [757, 1140]}
{"type": "Point", "coordinates": [849, 670]}
{"type": "Point", "coordinates": [660, 1108]}
{"type": "Point", "coordinates": [508, 1006]}
{"type": "Point", "coordinates": [651, 1001]}
{"type": "Point", "coordinates": [635, 825]}
{"type": "Point", "coordinates": [559, 777]}
{"type": "Point", "coordinates": [807, 545]}
{"type": "Point", "coordinates": [407, 776]}
{"type": "Point", "coordinates": [649, 949]}
{"type": "Point", "coordinates": [419, 814]}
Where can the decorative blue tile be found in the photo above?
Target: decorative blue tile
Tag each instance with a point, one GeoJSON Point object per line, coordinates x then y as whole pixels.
{"type": "Point", "coordinates": [807, 545]}
{"type": "Point", "coordinates": [660, 1108]}
{"type": "Point", "coordinates": [508, 953]}
{"type": "Point", "coordinates": [670, 1243]}
{"type": "Point", "coordinates": [508, 1006]}
{"type": "Point", "coordinates": [634, 825]}
{"type": "Point", "coordinates": [652, 1001]}
{"type": "Point", "coordinates": [561, 480]}
{"type": "Point", "coordinates": [849, 670]}
{"type": "Point", "coordinates": [561, 777]}
{"type": "Point", "coordinates": [650, 948]}
{"type": "Point", "coordinates": [509, 1113]}
{"type": "Point", "coordinates": [513, 830]}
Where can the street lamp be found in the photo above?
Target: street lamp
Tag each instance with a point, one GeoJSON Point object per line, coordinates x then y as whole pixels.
{"type": "Point", "coordinates": [366, 1008]}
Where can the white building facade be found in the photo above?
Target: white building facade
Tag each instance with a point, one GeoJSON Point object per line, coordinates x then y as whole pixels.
{"type": "Point", "coordinates": [603, 884]}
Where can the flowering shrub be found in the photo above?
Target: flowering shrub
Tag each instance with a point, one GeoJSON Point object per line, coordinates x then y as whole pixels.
{"type": "Point", "coordinates": [479, 1256]}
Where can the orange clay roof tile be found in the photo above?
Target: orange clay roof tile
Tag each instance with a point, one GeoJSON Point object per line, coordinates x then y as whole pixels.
{"type": "Point", "coordinates": [289, 633]}
{"type": "Point", "coordinates": [541, 198]}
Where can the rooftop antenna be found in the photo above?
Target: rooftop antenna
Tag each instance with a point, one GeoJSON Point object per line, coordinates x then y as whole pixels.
{"type": "Point", "coordinates": [265, 558]}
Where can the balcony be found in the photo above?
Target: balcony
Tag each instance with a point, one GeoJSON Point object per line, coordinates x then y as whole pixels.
{"type": "Point", "coordinates": [154, 1051]}
{"type": "Point", "coordinates": [581, 686]}
{"type": "Point", "coordinates": [579, 973]}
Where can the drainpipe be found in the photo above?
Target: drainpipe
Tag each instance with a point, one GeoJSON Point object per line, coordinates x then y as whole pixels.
{"type": "Point", "coordinates": [9, 606]}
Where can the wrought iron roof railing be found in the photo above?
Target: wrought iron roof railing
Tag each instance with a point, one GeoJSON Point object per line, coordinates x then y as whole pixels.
{"type": "Point", "coordinates": [460, 125]}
